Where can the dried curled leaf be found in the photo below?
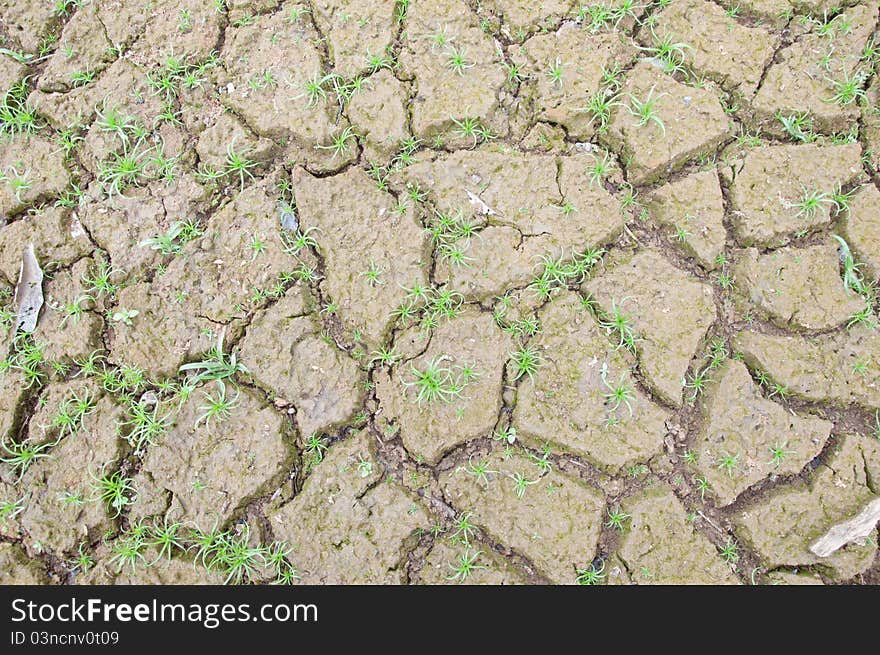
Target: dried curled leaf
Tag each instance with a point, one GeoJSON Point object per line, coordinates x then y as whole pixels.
{"type": "Point", "coordinates": [28, 291]}
{"type": "Point", "coordinates": [854, 529]}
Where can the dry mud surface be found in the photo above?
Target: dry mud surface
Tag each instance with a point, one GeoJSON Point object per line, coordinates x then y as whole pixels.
{"type": "Point", "coordinates": [439, 291]}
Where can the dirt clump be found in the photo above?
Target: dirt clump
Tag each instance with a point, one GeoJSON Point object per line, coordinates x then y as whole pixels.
{"type": "Point", "coordinates": [456, 68]}
{"type": "Point", "coordinates": [799, 288]}
{"type": "Point", "coordinates": [570, 402]}
{"type": "Point", "coordinates": [16, 568]}
{"type": "Point", "coordinates": [349, 524]}
{"type": "Point", "coordinates": [781, 524]}
{"type": "Point", "coordinates": [288, 356]}
{"type": "Point", "coordinates": [768, 202]}
{"type": "Point", "coordinates": [659, 546]}
{"type": "Point", "coordinates": [802, 75]}
{"type": "Point", "coordinates": [467, 355]}
{"type": "Point", "coordinates": [663, 123]}
{"type": "Point", "coordinates": [444, 563]}
{"type": "Point", "coordinates": [373, 253]}
{"type": "Point", "coordinates": [669, 311]}
{"type": "Point", "coordinates": [862, 229]}
{"type": "Point", "coordinates": [548, 517]}
{"type": "Point", "coordinates": [717, 45]}
{"type": "Point", "coordinates": [827, 368]}
{"type": "Point", "coordinates": [746, 438]}
{"type": "Point", "coordinates": [213, 464]}
{"type": "Point", "coordinates": [62, 509]}
{"type": "Point", "coordinates": [693, 208]}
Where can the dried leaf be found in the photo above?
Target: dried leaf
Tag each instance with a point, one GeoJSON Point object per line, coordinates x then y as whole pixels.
{"type": "Point", "coordinates": [28, 291]}
{"type": "Point", "coordinates": [481, 206]}
{"type": "Point", "coordinates": [854, 529]}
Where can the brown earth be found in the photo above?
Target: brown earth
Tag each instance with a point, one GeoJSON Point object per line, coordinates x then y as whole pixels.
{"type": "Point", "coordinates": [439, 292]}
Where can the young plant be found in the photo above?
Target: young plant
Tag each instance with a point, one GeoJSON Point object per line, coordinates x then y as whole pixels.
{"type": "Point", "coordinates": [555, 72]}
{"type": "Point", "coordinates": [175, 238]}
{"type": "Point", "coordinates": [457, 61]}
{"type": "Point", "coordinates": [114, 490]}
{"type": "Point", "coordinates": [809, 203]}
{"type": "Point", "coordinates": [124, 169]}
{"type": "Point", "coordinates": [17, 117]}
{"type": "Point", "coordinates": [217, 407]}
{"type": "Point", "coordinates": [433, 382]}
{"type": "Point", "coordinates": [729, 552]}
{"type": "Point", "coordinates": [847, 89]}
{"type": "Point", "coordinates": [464, 529]}
{"type": "Point", "coordinates": [617, 519]}
{"type": "Point", "coordinates": [852, 276]}
{"type": "Point", "coordinates": [645, 110]}
{"type": "Point", "coordinates": [218, 365]}
{"type": "Point", "coordinates": [591, 576]}
{"type": "Point", "coordinates": [128, 550]}
{"type": "Point", "coordinates": [165, 538]}
{"type": "Point", "coordinates": [237, 164]}
{"type": "Point", "coordinates": [465, 565]}
{"type": "Point", "coordinates": [145, 426]}
{"type": "Point", "coordinates": [728, 463]}
{"type": "Point", "coordinates": [124, 316]}
{"type": "Point", "coordinates": [339, 144]}
{"type": "Point", "coordinates": [600, 106]}
{"type": "Point", "coordinates": [23, 454]}
{"type": "Point", "coordinates": [520, 482]}
{"type": "Point", "coordinates": [526, 361]}
{"type": "Point", "coordinates": [778, 453]}
{"type": "Point", "coordinates": [620, 325]}
{"type": "Point", "coordinates": [669, 52]}
{"type": "Point", "coordinates": [620, 393]}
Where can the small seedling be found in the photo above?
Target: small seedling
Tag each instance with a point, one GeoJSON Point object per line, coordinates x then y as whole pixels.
{"type": "Point", "coordinates": [621, 325]}
{"type": "Point", "coordinates": [364, 467]}
{"type": "Point", "coordinates": [9, 509]}
{"type": "Point", "coordinates": [729, 552]}
{"type": "Point", "coordinates": [373, 274]}
{"type": "Point", "coordinates": [127, 550]}
{"type": "Point", "coordinates": [83, 560]}
{"type": "Point", "coordinates": [218, 365]}
{"type": "Point", "coordinates": [591, 576]}
{"type": "Point", "coordinates": [22, 455]}
{"type": "Point", "coordinates": [520, 483]}
{"type": "Point", "coordinates": [114, 490]}
{"type": "Point", "coordinates": [526, 361]}
{"type": "Point", "coordinates": [778, 453]}
{"type": "Point", "coordinates": [217, 407]}
{"type": "Point", "coordinates": [847, 89]}
{"type": "Point", "coordinates": [555, 71]}
{"type": "Point", "coordinates": [617, 519]}
{"type": "Point", "coordinates": [480, 471]}
{"type": "Point", "coordinates": [702, 486]}
{"type": "Point", "coordinates": [238, 164]}
{"type": "Point", "coordinates": [809, 203]}
{"type": "Point", "coordinates": [645, 110]}
{"type": "Point", "coordinates": [600, 169]}
{"type": "Point", "coordinates": [697, 384]}
{"type": "Point", "coordinates": [465, 565]}
{"type": "Point", "coordinates": [600, 106]}
{"type": "Point", "coordinates": [124, 316]}
{"type": "Point", "coordinates": [457, 61]}
{"type": "Point", "coordinates": [339, 144]}
{"type": "Point", "coordinates": [620, 393]}
{"type": "Point", "coordinates": [852, 277]}
{"type": "Point", "coordinates": [728, 463]}
{"type": "Point", "coordinates": [464, 529]}
{"type": "Point", "coordinates": [165, 538]}
{"type": "Point", "coordinates": [433, 382]}
{"type": "Point", "coordinates": [669, 52]}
